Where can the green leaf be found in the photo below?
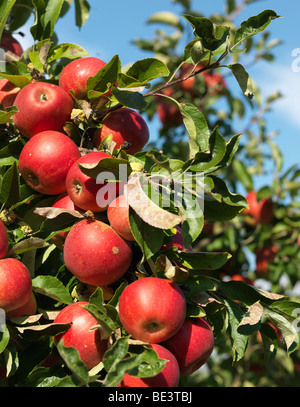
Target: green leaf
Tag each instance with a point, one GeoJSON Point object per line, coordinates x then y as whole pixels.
{"type": "Point", "coordinates": [242, 174]}
{"type": "Point", "coordinates": [118, 167]}
{"type": "Point", "coordinates": [75, 364]}
{"type": "Point", "coordinates": [46, 15]}
{"type": "Point", "coordinates": [131, 99]}
{"type": "Point", "coordinates": [51, 287]}
{"type": "Point", "coordinates": [253, 26]}
{"type": "Point", "coordinates": [197, 128]}
{"type": "Point", "coordinates": [222, 194]}
{"type": "Point", "coordinates": [240, 291]}
{"type": "Point", "coordinates": [17, 72]}
{"type": "Point", "coordinates": [82, 12]}
{"type": "Point", "coordinates": [107, 323]}
{"type": "Point", "coordinates": [4, 118]}
{"type": "Point", "coordinates": [4, 332]}
{"type": "Point", "coordinates": [289, 333]}
{"type": "Point", "coordinates": [104, 78]}
{"type": "Point", "coordinates": [118, 361]}
{"type": "Point", "coordinates": [66, 50]}
{"type": "Point", "coordinates": [30, 243]}
{"type": "Point", "coordinates": [204, 260]}
{"type": "Point", "coordinates": [165, 17]}
{"type": "Point", "coordinates": [38, 56]}
{"type": "Point", "coordinates": [9, 190]}
{"type": "Point", "coordinates": [207, 161]}
{"type": "Point", "coordinates": [149, 238]}
{"type": "Point", "coordinates": [5, 8]}
{"type": "Point", "coordinates": [147, 69]}
{"type": "Point", "coordinates": [244, 80]}
{"type": "Point", "coordinates": [239, 341]}
{"type": "Point", "coordinates": [212, 35]}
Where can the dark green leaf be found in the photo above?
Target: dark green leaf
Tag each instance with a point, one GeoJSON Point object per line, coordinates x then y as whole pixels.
{"type": "Point", "coordinates": [239, 341]}
{"type": "Point", "coordinates": [9, 191]}
{"type": "Point", "coordinates": [104, 78]}
{"type": "Point", "coordinates": [165, 17]}
{"type": "Point", "coordinates": [254, 25]}
{"type": "Point", "coordinates": [5, 9]}
{"type": "Point", "coordinates": [71, 357]}
{"type": "Point", "coordinates": [82, 12]}
{"type": "Point", "coordinates": [66, 50]}
{"type": "Point", "coordinates": [134, 100]}
{"type": "Point", "coordinates": [149, 238]}
{"type": "Point", "coordinates": [51, 287]}
{"type": "Point", "coordinates": [243, 79]}
{"type": "Point", "coordinates": [212, 35]}
{"type": "Point", "coordinates": [46, 15]}
{"type": "Point", "coordinates": [148, 69]}
{"type": "Point", "coordinates": [204, 260]}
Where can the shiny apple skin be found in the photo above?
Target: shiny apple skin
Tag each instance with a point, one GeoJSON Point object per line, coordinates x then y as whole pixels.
{"type": "Point", "coordinates": [42, 106]}
{"type": "Point", "coordinates": [152, 309]}
{"type": "Point", "coordinates": [95, 253]}
{"type": "Point", "coordinates": [45, 160]}
{"type": "Point", "coordinates": [15, 284]}
{"type": "Point", "coordinates": [75, 74]}
{"type": "Point", "coordinates": [125, 125]}
{"type": "Point", "coordinates": [118, 217]}
{"type": "Point", "coordinates": [4, 242]}
{"type": "Point", "coordinates": [192, 345]}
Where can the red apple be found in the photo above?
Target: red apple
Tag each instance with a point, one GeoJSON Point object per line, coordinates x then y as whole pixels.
{"type": "Point", "coordinates": [95, 253]}
{"type": "Point", "coordinates": [45, 160]}
{"type": "Point", "coordinates": [261, 211]}
{"type": "Point", "coordinates": [29, 308]}
{"type": "Point", "coordinates": [168, 377]}
{"type": "Point", "coordinates": [169, 114]}
{"type": "Point", "coordinates": [215, 83]}
{"type": "Point", "coordinates": [42, 106]}
{"type": "Point", "coordinates": [9, 43]}
{"type": "Point", "coordinates": [84, 191]}
{"type": "Point", "coordinates": [15, 284]}
{"type": "Point", "coordinates": [192, 345]}
{"type": "Point", "coordinates": [75, 74]}
{"type": "Point", "coordinates": [187, 85]}
{"type": "Point", "coordinates": [80, 336]}
{"type": "Point", "coordinates": [4, 242]}
{"type": "Point", "coordinates": [118, 217]}
{"type": "Point", "coordinates": [8, 93]}
{"type": "Point", "coordinates": [264, 256]}
{"type": "Point", "coordinates": [152, 309]}
{"type": "Point", "coordinates": [126, 126]}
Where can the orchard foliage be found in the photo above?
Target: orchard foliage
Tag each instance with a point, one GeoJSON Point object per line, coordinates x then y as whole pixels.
{"type": "Point", "coordinates": [206, 168]}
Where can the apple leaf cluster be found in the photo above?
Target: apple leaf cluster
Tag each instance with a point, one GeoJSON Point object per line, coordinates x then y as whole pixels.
{"type": "Point", "coordinates": [191, 182]}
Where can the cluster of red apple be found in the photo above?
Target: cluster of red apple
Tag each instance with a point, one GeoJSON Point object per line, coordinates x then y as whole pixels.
{"type": "Point", "coordinates": [151, 309]}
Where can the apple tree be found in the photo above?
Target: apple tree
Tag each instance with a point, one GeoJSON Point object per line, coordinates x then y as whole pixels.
{"type": "Point", "coordinates": [192, 218]}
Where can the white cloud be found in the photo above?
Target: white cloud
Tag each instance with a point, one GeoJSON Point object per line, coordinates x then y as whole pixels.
{"type": "Point", "coordinates": [286, 80]}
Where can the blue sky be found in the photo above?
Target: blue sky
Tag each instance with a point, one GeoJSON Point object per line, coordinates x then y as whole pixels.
{"type": "Point", "coordinates": [114, 24]}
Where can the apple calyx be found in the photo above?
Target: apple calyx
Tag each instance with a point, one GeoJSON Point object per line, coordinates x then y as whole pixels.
{"type": "Point", "coordinates": [152, 326]}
